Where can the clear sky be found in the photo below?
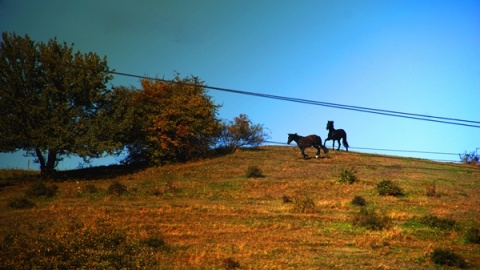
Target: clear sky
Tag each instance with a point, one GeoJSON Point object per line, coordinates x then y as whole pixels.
{"type": "Point", "coordinates": [411, 56]}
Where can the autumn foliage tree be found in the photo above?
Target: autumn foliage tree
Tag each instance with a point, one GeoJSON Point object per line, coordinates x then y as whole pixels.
{"type": "Point", "coordinates": [174, 122]}
{"type": "Point", "coordinates": [54, 102]}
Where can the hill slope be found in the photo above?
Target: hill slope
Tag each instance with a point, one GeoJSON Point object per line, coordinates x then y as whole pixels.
{"type": "Point", "coordinates": [208, 214]}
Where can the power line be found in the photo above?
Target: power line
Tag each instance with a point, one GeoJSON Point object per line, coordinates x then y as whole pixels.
{"type": "Point", "coordinates": [422, 117]}
{"type": "Point", "coordinates": [383, 149]}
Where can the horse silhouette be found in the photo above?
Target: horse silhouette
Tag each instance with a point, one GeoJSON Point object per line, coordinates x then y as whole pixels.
{"type": "Point", "coordinates": [308, 141]}
{"type": "Point", "coordinates": [336, 135]}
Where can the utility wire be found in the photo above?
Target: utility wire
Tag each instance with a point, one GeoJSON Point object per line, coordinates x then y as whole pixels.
{"type": "Point", "coordinates": [382, 149]}
{"type": "Point", "coordinates": [430, 118]}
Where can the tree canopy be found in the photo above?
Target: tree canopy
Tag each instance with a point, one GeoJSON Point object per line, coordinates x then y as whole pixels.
{"type": "Point", "coordinates": [174, 122]}
{"type": "Point", "coordinates": [54, 102]}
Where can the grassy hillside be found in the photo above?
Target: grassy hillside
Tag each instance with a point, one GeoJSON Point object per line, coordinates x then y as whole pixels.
{"type": "Point", "coordinates": [209, 215]}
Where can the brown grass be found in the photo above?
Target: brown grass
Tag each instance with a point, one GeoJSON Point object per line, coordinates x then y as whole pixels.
{"type": "Point", "coordinates": [208, 212]}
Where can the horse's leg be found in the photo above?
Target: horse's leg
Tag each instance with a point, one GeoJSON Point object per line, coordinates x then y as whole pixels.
{"type": "Point", "coordinates": [339, 144]}
{"type": "Point", "coordinates": [317, 155]}
{"type": "Point", "coordinates": [303, 153]}
{"type": "Point", "coordinates": [325, 142]}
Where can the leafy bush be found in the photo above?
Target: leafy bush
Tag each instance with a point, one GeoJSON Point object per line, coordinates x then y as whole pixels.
{"type": "Point", "coordinates": [117, 188]}
{"type": "Point", "coordinates": [359, 200]}
{"type": "Point", "coordinates": [438, 223]}
{"type": "Point", "coordinates": [303, 205]}
{"type": "Point", "coordinates": [241, 132]}
{"type": "Point", "coordinates": [370, 219]}
{"type": "Point", "coordinates": [254, 172]}
{"type": "Point", "coordinates": [447, 257]}
{"type": "Point", "coordinates": [472, 235]}
{"type": "Point", "coordinates": [348, 176]}
{"type": "Point", "coordinates": [21, 203]}
{"type": "Point", "coordinates": [39, 189]}
{"type": "Point", "coordinates": [389, 188]}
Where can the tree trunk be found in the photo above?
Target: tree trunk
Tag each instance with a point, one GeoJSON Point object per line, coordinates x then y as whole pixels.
{"type": "Point", "coordinates": [41, 160]}
{"type": "Point", "coordinates": [52, 160]}
{"type": "Point", "coordinates": [47, 168]}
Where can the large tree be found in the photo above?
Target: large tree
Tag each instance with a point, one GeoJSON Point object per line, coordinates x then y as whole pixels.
{"type": "Point", "coordinates": [175, 122]}
{"type": "Point", "coordinates": [54, 102]}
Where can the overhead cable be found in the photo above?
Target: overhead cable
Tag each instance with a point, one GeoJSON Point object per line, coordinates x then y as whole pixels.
{"type": "Point", "coordinates": [422, 117]}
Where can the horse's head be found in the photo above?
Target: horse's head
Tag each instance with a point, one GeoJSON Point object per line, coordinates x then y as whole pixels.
{"type": "Point", "coordinates": [329, 125]}
{"type": "Point", "coordinates": [291, 137]}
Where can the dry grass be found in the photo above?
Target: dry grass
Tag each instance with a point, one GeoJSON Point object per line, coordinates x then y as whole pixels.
{"type": "Point", "coordinates": [208, 214]}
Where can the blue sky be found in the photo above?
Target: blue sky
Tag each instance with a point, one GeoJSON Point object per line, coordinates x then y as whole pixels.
{"type": "Point", "coordinates": [410, 56]}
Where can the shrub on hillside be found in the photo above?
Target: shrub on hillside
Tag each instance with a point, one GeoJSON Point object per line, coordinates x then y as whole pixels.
{"type": "Point", "coordinates": [254, 172]}
{"type": "Point", "coordinates": [21, 203]}
{"type": "Point", "coordinates": [155, 243]}
{"type": "Point", "coordinates": [469, 158]}
{"type": "Point", "coordinates": [435, 222]}
{"type": "Point", "coordinates": [348, 176]}
{"type": "Point", "coordinates": [359, 200]}
{"type": "Point", "coordinates": [389, 188]}
{"type": "Point", "coordinates": [431, 190]}
{"type": "Point", "coordinates": [472, 235]}
{"type": "Point", "coordinates": [286, 199]}
{"type": "Point", "coordinates": [303, 205]}
{"type": "Point", "coordinates": [370, 219]}
{"type": "Point", "coordinates": [447, 257]}
{"type": "Point", "coordinates": [90, 188]}
{"type": "Point", "coordinates": [39, 189]}
{"type": "Point", "coordinates": [231, 264]}
{"type": "Point", "coordinates": [117, 188]}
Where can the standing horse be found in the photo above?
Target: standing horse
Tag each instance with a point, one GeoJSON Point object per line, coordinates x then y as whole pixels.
{"type": "Point", "coordinates": [336, 135]}
{"type": "Point", "coordinates": [305, 142]}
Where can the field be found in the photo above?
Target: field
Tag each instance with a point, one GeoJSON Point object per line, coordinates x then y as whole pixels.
{"type": "Point", "coordinates": [209, 215]}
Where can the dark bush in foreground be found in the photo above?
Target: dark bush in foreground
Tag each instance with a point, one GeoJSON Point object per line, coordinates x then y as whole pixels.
{"type": "Point", "coordinates": [447, 257]}
{"type": "Point", "coordinates": [438, 223]}
{"type": "Point", "coordinates": [71, 244]}
{"type": "Point", "coordinates": [370, 219]}
{"type": "Point", "coordinates": [359, 200]}
{"type": "Point", "coordinates": [117, 188]}
{"type": "Point", "coordinates": [39, 189]}
{"type": "Point", "coordinates": [389, 188]}
{"type": "Point", "coordinates": [254, 172]}
{"type": "Point", "coordinates": [21, 203]}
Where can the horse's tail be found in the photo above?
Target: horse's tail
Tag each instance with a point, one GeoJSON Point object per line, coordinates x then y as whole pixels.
{"type": "Point", "coordinates": [345, 143]}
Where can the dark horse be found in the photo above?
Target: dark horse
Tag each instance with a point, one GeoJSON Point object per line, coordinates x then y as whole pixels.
{"type": "Point", "coordinates": [305, 142]}
{"type": "Point", "coordinates": [336, 135]}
